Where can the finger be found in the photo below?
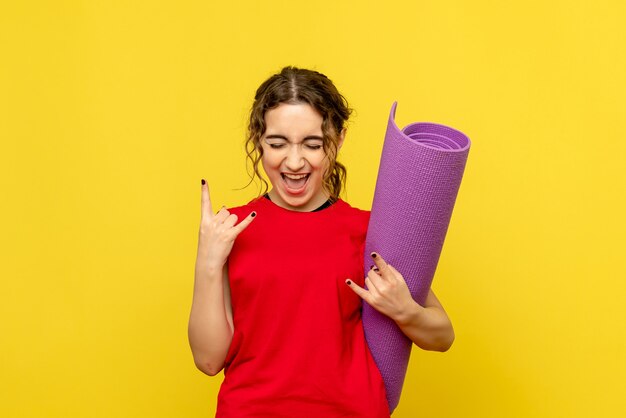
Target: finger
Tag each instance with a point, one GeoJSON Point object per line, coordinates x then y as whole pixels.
{"type": "Point", "coordinates": [375, 269]}
{"type": "Point", "coordinates": [244, 224]}
{"type": "Point", "coordinates": [221, 215]}
{"type": "Point", "coordinates": [206, 209]}
{"type": "Point", "coordinates": [231, 220]}
{"type": "Point", "coordinates": [375, 279]}
{"type": "Point", "coordinates": [394, 272]}
{"type": "Point", "coordinates": [381, 264]}
{"type": "Point", "coordinates": [397, 277]}
{"type": "Point", "coordinates": [364, 294]}
{"type": "Point", "coordinates": [371, 286]}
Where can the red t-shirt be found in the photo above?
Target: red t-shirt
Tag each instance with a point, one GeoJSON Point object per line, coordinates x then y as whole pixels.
{"type": "Point", "coordinates": [298, 348]}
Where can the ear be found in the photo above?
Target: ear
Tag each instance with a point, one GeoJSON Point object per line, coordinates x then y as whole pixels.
{"type": "Point", "coordinates": [342, 137]}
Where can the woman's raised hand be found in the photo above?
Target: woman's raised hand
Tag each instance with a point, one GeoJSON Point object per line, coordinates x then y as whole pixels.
{"type": "Point", "coordinates": [217, 232]}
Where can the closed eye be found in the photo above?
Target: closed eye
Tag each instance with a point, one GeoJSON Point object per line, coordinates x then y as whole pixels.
{"type": "Point", "coordinates": [276, 146]}
{"type": "Point", "coordinates": [314, 147]}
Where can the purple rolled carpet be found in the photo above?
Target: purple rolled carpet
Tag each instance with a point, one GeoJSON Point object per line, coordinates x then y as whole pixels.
{"type": "Point", "coordinates": [419, 176]}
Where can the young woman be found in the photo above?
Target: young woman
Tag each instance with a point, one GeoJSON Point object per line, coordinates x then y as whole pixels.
{"type": "Point", "coordinates": [279, 282]}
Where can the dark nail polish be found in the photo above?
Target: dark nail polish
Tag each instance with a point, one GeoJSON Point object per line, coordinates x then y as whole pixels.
{"type": "Point", "coordinates": [373, 255]}
{"type": "Point", "coordinates": [376, 270]}
{"type": "Point", "coordinates": [371, 267]}
{"type": "Point", "coordinates": [203, 182]}
{"type": "Point", "coordinates": [348, 282]}
{"type": "Point", "coordinates": [253, 214]}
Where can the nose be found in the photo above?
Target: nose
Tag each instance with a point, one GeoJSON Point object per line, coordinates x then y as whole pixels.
{"type": "Point", "coordinates": [295, 160]}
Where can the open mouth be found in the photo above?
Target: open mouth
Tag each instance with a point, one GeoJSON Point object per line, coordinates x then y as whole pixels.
{"type": "Point", "coordinates": [295, 182]}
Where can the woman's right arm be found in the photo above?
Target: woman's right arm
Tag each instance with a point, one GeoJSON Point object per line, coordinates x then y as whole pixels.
{"type": "Point", "coordinates": [210, 321]}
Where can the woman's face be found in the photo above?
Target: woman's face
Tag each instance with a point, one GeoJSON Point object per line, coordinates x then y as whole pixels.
{"type": "Point", "coordinates": [293, 156]}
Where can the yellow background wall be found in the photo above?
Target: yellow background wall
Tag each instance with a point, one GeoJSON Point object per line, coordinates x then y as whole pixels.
{"type": "Point", "coordinates": [111, 112]}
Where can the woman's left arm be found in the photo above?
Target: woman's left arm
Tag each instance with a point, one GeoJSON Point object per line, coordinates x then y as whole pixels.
{"type": "Point", "coordinates": [427, 326]}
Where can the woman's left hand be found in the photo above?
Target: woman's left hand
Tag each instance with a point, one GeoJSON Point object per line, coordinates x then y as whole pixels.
{"type": "Point", "coordinates": [387, 291]}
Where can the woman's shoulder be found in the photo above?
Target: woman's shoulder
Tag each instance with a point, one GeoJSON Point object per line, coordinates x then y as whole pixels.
{"type": "Point", "coordinates": [352, 209]}
{"type": "Point", "coordinates": [247, 208]}
{"type": "Point", "coordinates": [353, 213]}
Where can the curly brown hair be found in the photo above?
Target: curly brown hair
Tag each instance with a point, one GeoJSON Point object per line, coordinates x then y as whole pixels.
{"type": "Point", "coordinates": [296, 85]}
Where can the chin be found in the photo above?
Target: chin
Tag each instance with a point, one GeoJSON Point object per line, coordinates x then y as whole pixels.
{"type": "Point", "coordinates": [296, 202]}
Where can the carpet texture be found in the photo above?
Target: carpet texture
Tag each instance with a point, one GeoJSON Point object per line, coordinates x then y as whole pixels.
{"type": "Point", "coordinates": [420, 172]}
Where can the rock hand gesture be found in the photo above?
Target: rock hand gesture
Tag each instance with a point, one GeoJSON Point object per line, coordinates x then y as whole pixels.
{"type": "Point", "coordinates": [211, 320]}
{"type": "Point", "coordinates": [217, 232]}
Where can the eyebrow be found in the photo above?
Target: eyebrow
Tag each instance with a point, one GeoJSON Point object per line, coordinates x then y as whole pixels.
{"type": "Point", "coordinates": [276, 136]}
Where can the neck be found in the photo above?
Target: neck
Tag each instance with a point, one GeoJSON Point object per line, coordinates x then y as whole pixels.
{"type": "Point", "coordinates": [311, 205]}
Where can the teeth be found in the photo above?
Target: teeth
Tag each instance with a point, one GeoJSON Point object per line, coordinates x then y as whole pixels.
{"type": "Point", "coordinates": [295, 177]}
